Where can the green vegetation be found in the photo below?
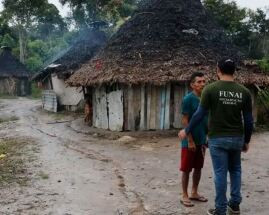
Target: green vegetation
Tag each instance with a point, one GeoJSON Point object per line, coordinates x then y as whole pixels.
{"type": "Point", "coordinates": [5, 96]}
{"type": "Point", "coordinates": [248, 29]}
{"type": "Point", "coordinates": [12, 164]}
{"type": "Point", "coordinates": [43, 175]}
{"type": "Point", "coordinates": [263, 110]}
{"type": "Point", "coordinates": [36, 32]}
{"type": "Point", "coordinates": [264, 64]}
{"type": "Point", "coordinates": [36, 92]}
{"type": "Point", "coordinates": [8, 119]}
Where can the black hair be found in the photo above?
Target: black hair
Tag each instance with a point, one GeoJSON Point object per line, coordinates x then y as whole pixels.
{"type": "Point", "coordinates": [227, 66]}
{"type": "Point", "coordinates": [196, 74]}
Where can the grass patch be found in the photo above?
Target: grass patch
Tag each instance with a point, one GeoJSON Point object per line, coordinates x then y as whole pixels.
{"type": "Point", "coordinates": [8, 119]}
{"type": "Point", "coordinates": [6, 96]}
{"type": "Point", "coordinates": [43, 175]}
{"type": "Point", "coordinates": [12, 162]}
{"type": "Point", "coordinates": [59, 115]}
{"type": "Point", "coordinates": [36, 93]}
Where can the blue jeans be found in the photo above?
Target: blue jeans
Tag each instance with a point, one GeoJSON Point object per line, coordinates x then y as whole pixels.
{"type": "Point", "coordinates": [226, 156]}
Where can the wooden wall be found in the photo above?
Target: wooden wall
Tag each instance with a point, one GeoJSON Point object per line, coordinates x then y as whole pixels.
{"type": "Point", "coordinates": [15, 86]}
{"type": "Point", "coordinates": [107, 108]}
{"type": "Point", "coordinates": [149, 107]}
{"type": "Point", "coordinates": [140, 107]}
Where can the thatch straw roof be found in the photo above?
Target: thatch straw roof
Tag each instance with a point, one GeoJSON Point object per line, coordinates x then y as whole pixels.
{"type": "Point", "coordinates": [164, 41]}
{"type": "Point", "coordinates": [10, 66]}
{"type": "Point", "coordinates": [68, 61]}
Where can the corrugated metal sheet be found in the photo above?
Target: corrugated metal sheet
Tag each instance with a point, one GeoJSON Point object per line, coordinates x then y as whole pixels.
{"type": "Point", "coordinates": [49, 100]}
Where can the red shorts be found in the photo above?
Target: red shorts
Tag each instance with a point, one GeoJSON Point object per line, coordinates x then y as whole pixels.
{"type": "Point", "coordinates": [192, 160]}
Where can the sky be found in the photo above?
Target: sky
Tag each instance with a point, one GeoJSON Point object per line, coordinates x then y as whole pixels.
{"type": "Point", "coordinates": [252, 4]}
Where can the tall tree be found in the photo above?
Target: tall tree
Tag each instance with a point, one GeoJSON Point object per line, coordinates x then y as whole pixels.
{"type": "Point", "coordinates": [87, 11]}
{"type": "Point", "coordinates": [24, 14]}
{"type": "Point", "coordinates": [248, 29]}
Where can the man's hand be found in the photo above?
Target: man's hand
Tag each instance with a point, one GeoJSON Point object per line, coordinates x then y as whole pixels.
{"type": "Point", "coordinates": [191, 145]}
{"type": "Point", "coordinates": [182, 134]}
{"type": "Point", "coordinates": [245, 147]}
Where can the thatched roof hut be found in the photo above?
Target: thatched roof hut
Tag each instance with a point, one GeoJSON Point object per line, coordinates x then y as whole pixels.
{"type": "Point", "coordinates": [68, 61]}
{"type": "Point", "coordinates": [14, 76]}
{"type": "Point", "coordinates": [164, 41]}
{"type": "Point", "coordinates": [62, 66]}
{"type": "Point", "coordinates": [139, 78]}
{"type": "Point", "coordinates": [10, 66]}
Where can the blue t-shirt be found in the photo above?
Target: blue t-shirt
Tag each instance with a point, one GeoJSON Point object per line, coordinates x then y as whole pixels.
{"type": "Point", "coordinates": [190, 104]}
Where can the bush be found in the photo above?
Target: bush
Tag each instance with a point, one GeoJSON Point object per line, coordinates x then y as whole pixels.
{"type": "Point", "coordinates": [264, 64]}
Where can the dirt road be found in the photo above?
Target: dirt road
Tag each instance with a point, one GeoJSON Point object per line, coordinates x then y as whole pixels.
{"type": "Point", "coordinates": [85, 173]}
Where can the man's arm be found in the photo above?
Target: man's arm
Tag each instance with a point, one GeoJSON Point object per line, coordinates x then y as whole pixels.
{"type": "Point", "coordinates": [248, 122]}
{"type": "Point", "coordinates": [196, 118]}
{"type": "Point", "coordinates": [185, 122]}
{"type": "Point", "coordinates": [248, 129]}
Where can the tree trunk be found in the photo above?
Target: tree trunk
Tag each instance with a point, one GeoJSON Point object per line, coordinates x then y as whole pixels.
{"type": "Point", "coordinates": [22, 45]}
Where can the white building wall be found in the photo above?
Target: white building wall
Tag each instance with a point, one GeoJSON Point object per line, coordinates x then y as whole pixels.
{"type": "Point", "coordinates": [66, 95]}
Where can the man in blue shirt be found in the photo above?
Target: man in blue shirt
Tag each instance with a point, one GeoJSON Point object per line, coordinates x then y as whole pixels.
{"type": "Point", "coordinates": [228, 104]}
{"type": "Point", "coordinates": [192, 152]}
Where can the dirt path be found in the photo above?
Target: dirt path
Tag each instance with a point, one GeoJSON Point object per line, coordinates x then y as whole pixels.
{"type": "Point", "coordinates": [76, 173]}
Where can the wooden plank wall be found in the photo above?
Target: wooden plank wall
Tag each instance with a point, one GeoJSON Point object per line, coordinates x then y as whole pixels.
{"type": "Point", "coordinates": [133, 97]}
{"type": "Point", "coordinates": [94, 112]}
{"type": "Point", "coordinates": [179, 92]}
{"type": "Point", "coordinates": [144, 107]}
{"type": "Point", "coordinates": [125, 108]}
{"type": "Point", "coordinates": [143, 112]}
{"type": "Point", "coordinates": [157, 107]}
{"type": "Point", "coordinates": [153, 104]}
{"type": "Point", "coordinates": [101, 117]}
{"type": "Point", "coordinates": [115, 110]}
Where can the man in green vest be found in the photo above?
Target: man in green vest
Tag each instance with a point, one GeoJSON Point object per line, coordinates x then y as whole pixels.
{"type": "Point", "coordinates": [229, 105]}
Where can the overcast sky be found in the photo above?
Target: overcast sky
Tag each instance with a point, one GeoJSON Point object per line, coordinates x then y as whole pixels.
{"type": "Point", "coordinates": [253, 4]}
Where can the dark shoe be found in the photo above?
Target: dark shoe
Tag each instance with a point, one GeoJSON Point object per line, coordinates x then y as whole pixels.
{"type": "Point", "coordinates": [212, 212]}
{"type": "Point", "coordinates": [233, 209]}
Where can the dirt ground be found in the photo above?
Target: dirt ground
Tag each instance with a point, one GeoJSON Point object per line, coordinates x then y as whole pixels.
{"type": "Point", "coordinates": [74, 170]}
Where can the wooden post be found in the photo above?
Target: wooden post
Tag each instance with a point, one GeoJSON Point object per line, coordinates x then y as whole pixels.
{"type": "Point", "coordinates": [177, 106]}
{"type": "Point", "coordinates": [162, 112]}
{"type": "Point", "coordinates": [167, 107]}
{"type": "Point", "coordinates": [125, 107]}
{"type": "Point", "coordinates": [94, 108]}
{"type": "Point", "coordinates": [148, 105]}
{"type": "Point", "coordinates": [143, 107]}
{"type": "Point", "coordinates": [152, 121]}
{"type": "Point", "coordinates": [131, 122]}
{"type": "Point", "coordinates": [158, 108]}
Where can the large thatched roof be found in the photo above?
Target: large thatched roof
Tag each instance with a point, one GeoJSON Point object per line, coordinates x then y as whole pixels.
{"type": "Point", "coordinates": [11, 66]}
{"type": "Point", "coordinates": [68, 61]}
{"type": "Point", "coordinates": [165, 40]}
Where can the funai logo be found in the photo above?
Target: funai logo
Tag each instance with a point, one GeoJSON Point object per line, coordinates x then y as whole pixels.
{"type": "Point", "coordinates": [230, 97]}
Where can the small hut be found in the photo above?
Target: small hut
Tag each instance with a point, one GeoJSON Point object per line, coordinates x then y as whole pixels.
{"type": "Point", "coordinates": [140, 77]}
{"type": "Point", "coordinates": [52, 78]}
{"type": "Point", "coordinates": [14, 77]}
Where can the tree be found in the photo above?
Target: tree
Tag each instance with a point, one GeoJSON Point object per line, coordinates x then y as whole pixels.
{"type": "Point", "coordinates": [85, 12]}
{"type": "Point", "coordinates": [247, 29]}
{"type": "Point", "coordinates": [228, 15]}
{"type": "Point", "coordinates": [25, 14]}
{"type": "Point", "coordinates": [7, 40]}
{"type": "Point", "coordinates": [49, 22]}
